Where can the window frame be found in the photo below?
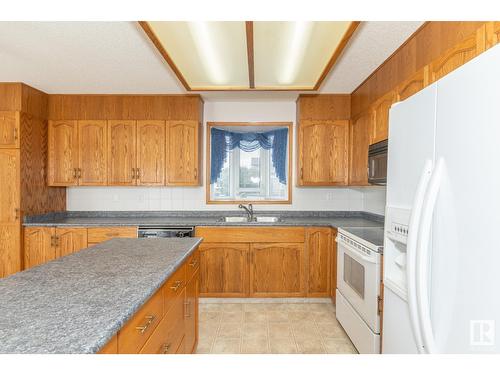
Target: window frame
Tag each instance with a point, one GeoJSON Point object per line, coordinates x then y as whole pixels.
{"type": "Point", "coordinates": [210, 125]}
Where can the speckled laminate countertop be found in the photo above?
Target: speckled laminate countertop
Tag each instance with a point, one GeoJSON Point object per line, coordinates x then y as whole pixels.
{"type": "Point", "coordinates": [76, 303]}
{"type": "Point", "coordinates": [334, 219]}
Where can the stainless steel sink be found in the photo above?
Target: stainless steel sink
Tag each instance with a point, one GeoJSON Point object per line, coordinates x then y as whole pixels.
{"type": "Point", "coordinates": [244, 219]}
{"type": "Point", "coordinates": [267, 219]}
{"type": "Point", "coordinates": [234, 219]}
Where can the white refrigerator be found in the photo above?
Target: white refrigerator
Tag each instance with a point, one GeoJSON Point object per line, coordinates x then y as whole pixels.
{"type": "Point", "coordinates": [442, 229]}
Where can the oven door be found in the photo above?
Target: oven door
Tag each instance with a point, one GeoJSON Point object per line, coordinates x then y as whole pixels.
{"type": "Point", "coordinates": [358, 279]}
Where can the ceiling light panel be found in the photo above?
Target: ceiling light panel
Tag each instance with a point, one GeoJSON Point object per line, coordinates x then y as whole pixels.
{"type": "Point", "coordinates": [209, 55]}
{"type": "Point", "coordinates": [293, 55]}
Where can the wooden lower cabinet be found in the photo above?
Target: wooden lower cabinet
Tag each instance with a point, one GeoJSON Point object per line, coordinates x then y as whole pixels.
{"type": "Point", "coordinates": [277, 270]}
{"type": "Point", "coordinates": [224, 269]}
{"type": "Point", "coordinates": [319, 245]}
{"type": "Point", "coordinates": [168, 322]}
{"type": "Point", "coordinates": [10, 243]}
{"type": "Point", "coordinates": [333, 266]}
{"type": "Point", "coordinates": [70, 240]}
{"type": "Point", "coordinates": [38, 246]}
{"type": "Point", "coordinates": [191, 314]}
{"type": "Point", "coordinates": [111, 347]}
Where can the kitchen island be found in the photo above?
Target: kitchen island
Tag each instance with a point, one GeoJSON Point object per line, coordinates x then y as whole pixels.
{"type": "Point", "coordinates": [78, 303]}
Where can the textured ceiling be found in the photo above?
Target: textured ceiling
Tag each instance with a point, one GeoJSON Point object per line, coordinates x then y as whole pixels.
{"type": "Point", "coordinates": [371, 44]}
{"type": "Point", "coordinates": [83, 57]}
{"type": "Point", "coordinates": [117, 57]}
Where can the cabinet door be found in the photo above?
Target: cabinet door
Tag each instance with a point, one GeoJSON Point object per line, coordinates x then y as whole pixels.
{"type": "Point", "coordinates": [151, 153]}
{"type": "Point", "coordinates": [191, 314]}
{"type": "Point", "coordinates": [277, 270]}
{"type": "Point", "coordinates": [381, 117]}
{"type": "Point", "coordinates": [63, 153]}
{"type": "Point", "coordinates": [121, 153]}
{"type": "Point", "coordinates": [224, 269]}
{"type": "Point", "coordinates": [182, 153]}
{"type": "Point", "coordinates": [38, 246]}
{"type": "Point", "coordinates": [10, 249]}
{"type": "Point", "coordinates": [70, 240]}
{"type": "Point", "coordinates": [414, 84]}
{"type": "Point", "coordinates": [92, 137]}
{"type": "Point", "coordinates": [454, 58]}
{"type": "Point", "coordinates": [9, 129]}
{"type": "Point", "coordinates": [492, 33]}
{"type": "Point", "coordinates": [360, 141]}
{"type": "Point", "coordinates": [9, 186]}
{"type": "Point", "coordinates": [318, 248]}
{"type": "Point", "coordinates": [323, 152]}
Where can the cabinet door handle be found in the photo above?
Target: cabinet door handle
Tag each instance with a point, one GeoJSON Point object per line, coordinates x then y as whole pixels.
{"type": "Point", "coordinates": [16, 214]}
{"type": "Point", "coordinates": [165, 348]}
{"type": "Point", "coordinates": [137, 173]}
{"type": "Point", "coordinates": [301, 173]}
{"type": "Point", "coordinates": [196, 173]}
{"type": "Point", "coordinates": [52, 241]}
{"type": "Point", "coordinates": [194, 263]}
{"type": "Point", "coordinates": [79, 173]}
{"type": "Point", "coordinates": [15, 134]}
{"type": "Point", "coordinates": [176, 285]}
{"type": "Point", "coordinates": [187, 308]}
{"type": "Point", "coordinates": [145, 326]}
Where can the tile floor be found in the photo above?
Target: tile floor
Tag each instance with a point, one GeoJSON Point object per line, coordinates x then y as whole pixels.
{"type": "Point", "coordinates": [259, 328]}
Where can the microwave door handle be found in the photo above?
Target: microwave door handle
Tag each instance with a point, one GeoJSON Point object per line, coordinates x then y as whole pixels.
{"type": "Point", "coordinates": [422, 261]}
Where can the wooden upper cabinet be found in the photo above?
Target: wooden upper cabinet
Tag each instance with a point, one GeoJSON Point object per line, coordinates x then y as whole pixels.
{"type": "Point", "coordinates": [151, 153]}
{"type": "Point", "coordinates": [380, 123]}
{"type": "Point", "coordinates": [360, 141]}
{"type": "Point", "coordinates": [92, 137]}
{"type": "Point", "coordinates": [277, 269]}
{"type": "Point", "coordinates": [319, 249]}
{"type": "Point", "coordinates": [122, 152]}
{"type": "Point", "coordinates": [458, 55]}
{"type": "Point", "coordinates": [70, 240]}
{"type": "Point", "coordinates": [39, 246]}
{"type": "Point", "coordinates": [182, 165]}
{"type": "Point", "coordinates": [414, 84]}
{"type": "Point", "coordinates": [323, 148]}
{"type": "Point", "coordinates": [492, 33]}
{"type": "Point", "coordinates": [9, 129]}
{"type": "Point", "coordinates": [10, 197]}
{"type": "Point", "coordinates": [224, 269]}
{"type": "Point", "coordinates": [10, 243]}
{"type": "Point", "coordinates": [63, 153]}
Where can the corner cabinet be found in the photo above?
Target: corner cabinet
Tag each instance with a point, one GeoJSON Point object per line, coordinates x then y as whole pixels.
{"type": "Point", "coordinates": [183, 153]}
{"type": "Point", "coordinates": [323, 149]}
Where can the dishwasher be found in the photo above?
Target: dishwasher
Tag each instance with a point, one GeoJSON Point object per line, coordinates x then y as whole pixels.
{"type": "Point", "coordinates": [164, 232]}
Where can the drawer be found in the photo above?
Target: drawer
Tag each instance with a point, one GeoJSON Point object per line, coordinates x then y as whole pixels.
{"type": "Point", "coordinates": [168, 336]}
{"type": "Point", "coordinates": [100, 234]}
{"type": "Point", "coordinates": [192, 265]}
{"type": "Point", "coordinates": [173, 287]}
{"type": "Point", "coordinates": [250, 234]}
{"type": "Point", "coordinates": [140, 327]}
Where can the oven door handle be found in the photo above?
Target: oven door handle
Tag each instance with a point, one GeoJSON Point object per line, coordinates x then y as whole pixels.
{"type": "Point", "coordinates": [356, 253]}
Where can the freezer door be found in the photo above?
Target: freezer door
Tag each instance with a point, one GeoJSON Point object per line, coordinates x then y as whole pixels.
{"type": "Point", "coordinates": [465, 259]}
{"type": "Point", "coordinates": [411, 142]}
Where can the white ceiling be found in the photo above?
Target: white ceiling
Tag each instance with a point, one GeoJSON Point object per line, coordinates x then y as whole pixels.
{"type": "Point", "coordinates": [371, 44]}
{"type": "Point", "coordinates": [117, 58]}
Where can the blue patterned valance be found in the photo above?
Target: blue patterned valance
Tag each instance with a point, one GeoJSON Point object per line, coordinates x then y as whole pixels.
{"type": "Point", "coordinates": [223, 141]}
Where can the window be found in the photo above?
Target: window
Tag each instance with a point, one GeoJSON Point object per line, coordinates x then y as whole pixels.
{"type": "Point", "coordinates": [246, 171]}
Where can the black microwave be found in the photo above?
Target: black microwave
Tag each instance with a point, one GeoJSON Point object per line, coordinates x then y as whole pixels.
{"type": "Point", "coordinates": [377, 163]}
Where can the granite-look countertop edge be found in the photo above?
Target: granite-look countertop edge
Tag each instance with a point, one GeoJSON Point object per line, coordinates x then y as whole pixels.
{"type": "Point", "coordinates": [202, 218]}
{"type": "Point", "coordinates": [46, 309]}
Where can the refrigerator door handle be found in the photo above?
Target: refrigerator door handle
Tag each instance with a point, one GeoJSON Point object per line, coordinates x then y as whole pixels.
{"type": "Point", "coordinates": [415, 218]}
{"type": "Point", "coordinates": [422, 261]}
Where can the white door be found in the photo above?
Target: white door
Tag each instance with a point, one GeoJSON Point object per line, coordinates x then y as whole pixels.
{"type": "Point", "coordinates": [465, 252]}
{"type": "Point", "coordinates": [411, 148]}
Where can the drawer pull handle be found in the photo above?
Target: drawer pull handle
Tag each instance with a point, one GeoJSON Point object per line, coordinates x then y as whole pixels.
{"type": "Point", "coordinates": [187, 309]}
{"type": "Point", "coordinates": [149, 320]}
{"type": "Point", "coordinates": [194, 263]}
{"type": "Point", "coordinates": [176, 286]}
{"type": "Point", "coordinates": [166, 348]}
{"type": "Point", "coordinates": [112, 234]}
